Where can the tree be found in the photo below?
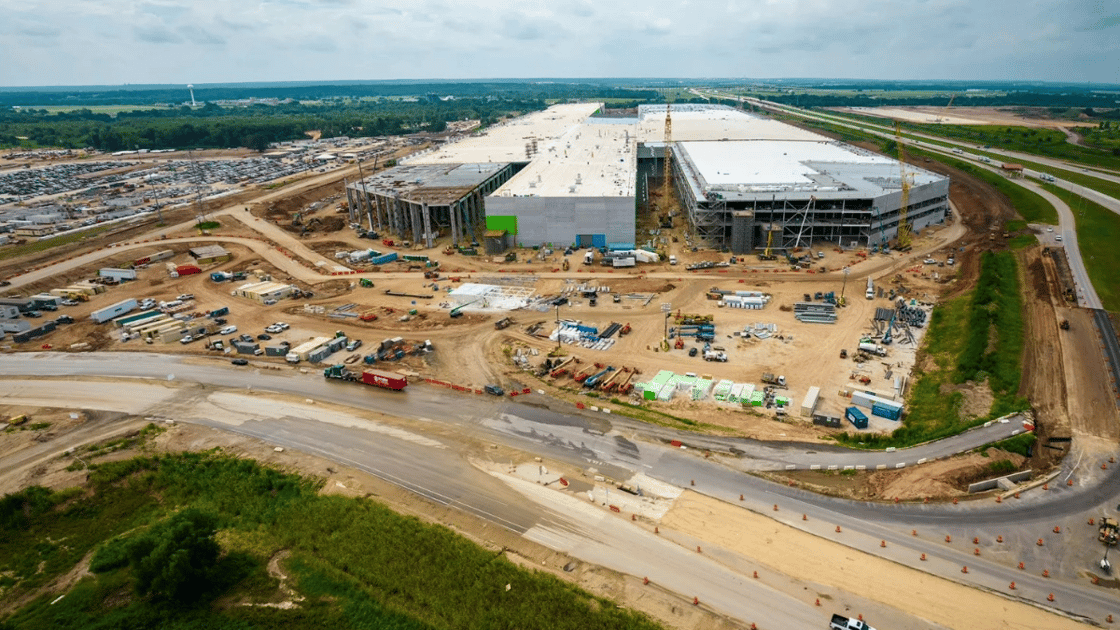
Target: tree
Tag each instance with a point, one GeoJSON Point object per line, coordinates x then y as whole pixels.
{"type": "Point", "coordinates": [175, 560]}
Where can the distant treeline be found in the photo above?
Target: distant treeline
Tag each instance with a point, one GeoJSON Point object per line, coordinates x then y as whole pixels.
{"type": "Point", "coordinates": [254, 127]}
{"type": "Point", "coordinates": [1086, 99]}
{"type": "Point", "coordinates": [167, 94]}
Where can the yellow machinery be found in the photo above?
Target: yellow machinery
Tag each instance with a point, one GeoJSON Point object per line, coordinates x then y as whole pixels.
{"type": "Point", "coordinates": [903, 238]}
{"type": "Point", "coordinates": [768, 255]}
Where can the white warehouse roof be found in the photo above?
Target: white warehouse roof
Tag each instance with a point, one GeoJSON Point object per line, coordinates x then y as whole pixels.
{"type": "Point", "coordinates": [769, 162]}
{"type": "Point", "coordinates": [507, 141]}
{"type": "Point", "coordinates": [714, 122]}
{"type": "Point", "coordinates": [590, 160]}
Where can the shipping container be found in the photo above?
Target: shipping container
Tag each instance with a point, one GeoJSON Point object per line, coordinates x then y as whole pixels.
{"type": "Point", "coordinates": [886, 411]}
{"type": "Point", "coordinates": [386, 380]}
{"type": "Point", "coordinates": [383, 258]}
{"type": "Point", "coordinates": [186, 270]}
{"type": "Point", "coordinates": [809, 405]}
{"type": "Point", "coordinates": [856, 417]}
{"type": "Point", "coordinates": [119, 274]}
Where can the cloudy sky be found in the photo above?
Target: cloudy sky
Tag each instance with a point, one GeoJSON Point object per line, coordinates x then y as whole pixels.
{"type": "Point", "coordinates": [83, 42]}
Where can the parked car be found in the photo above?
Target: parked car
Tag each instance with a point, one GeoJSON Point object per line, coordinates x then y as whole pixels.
{"type": "Point", "coordinates": [264, 337]}
{"type": "Point", "coordinates": [494, 390]}
{"type": "Point", "coordinates": [69, 302]}
{"type": "Point", "coordinates": [274, 329]}
{"type": "Point", "coordinates": [353, 345]}
{"type": "Point", "coordinates": [184, 297]}
{"type": "Point", "coordinates": [33, 314]}
{"type": "Point", "coordinates": [282, 325]}
{"type": "Point", "coordinates": [186, 339]}
{"type": "Point", "coordinates": [246, 338]}
{"type": "Point", "coordinates": [228, 330]}
{"type": "Point", "coordinates": [240, 361]}
{"type": "Point", "coordinates": [692, 352]}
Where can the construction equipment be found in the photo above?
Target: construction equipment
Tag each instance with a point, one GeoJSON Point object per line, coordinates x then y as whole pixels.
{"type": "Point", "coordinates": [591, 381]}
{"type": "Point", "coordinates": [366, 282]}
{"type": "Point", "coordinates": [1109, 531]}
{"type": "Point", "coordinates": [902, 241]}
{"type": "Point", "coordinates": [502, 323]}
{"type": "Point", "coordinates": [582, 375]}
{"type": "Point", "coordinates": [606, 383]}
{"type": "Point", "coordinates": [368, 317]}
{"type": "Point", "coordinates": [679, 345]}
{"type": "Point", "coordinates": [843, 353]}
{"type": "Point", "coordinates": [1064, 325]}
{"type": "Point", "coordinates": [767, 255]}
{"type": "Point", "coordinates": [565, 265]}
{"type": "Point", "coordinates": [625, 330]}
{"type": "Point", "coordinates": [667, 170]}
{"type": "Point", "coordinates": [561, 368]}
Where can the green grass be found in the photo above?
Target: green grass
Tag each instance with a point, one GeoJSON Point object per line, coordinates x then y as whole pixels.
{"type": "Point", "coordinates": [1098, 231]}
{"type": "Point", "coordinates": [1049, 143]}
{"type": "Point", "coordinates": [209, 225]}
{"type": "Point", "coordinates": [357, 563]}
{"type": "Point", "coordinates": [112, 110]}
{"type": "Point", "coordinates": [1020, 444]}
{"type": "Point", "coordinates": [1029, 204]}
{"type": "Point", "coordinates": [976, 335]}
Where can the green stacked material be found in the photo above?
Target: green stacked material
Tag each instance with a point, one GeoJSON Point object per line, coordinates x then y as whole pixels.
{"type": "Point", "coordinates": [701, 388]}
{"type": "Point", "coordinates": [723, 388]}
{"type": "Point", "coordinates": [756, 399]}
{"type": "Point", "coordinates": [781, 401]}
{"type": "Point", "coordinates": [653, 388]}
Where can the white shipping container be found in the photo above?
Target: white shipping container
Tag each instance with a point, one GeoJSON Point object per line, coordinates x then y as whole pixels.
{"type": "Point", "coordinates": [809, 405]}
{"type": "Point", "coordinates": [109, 312]}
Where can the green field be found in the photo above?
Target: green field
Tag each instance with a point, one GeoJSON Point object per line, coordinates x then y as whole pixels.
{"type": "Point", "coordinates": [356, 563]}
{"type": "Point", "coordinates": [1049, 143]}
{"type": "Point", "coordinates": [1098, 231]}
{"type": "Point", "coordinates": [975, 337]}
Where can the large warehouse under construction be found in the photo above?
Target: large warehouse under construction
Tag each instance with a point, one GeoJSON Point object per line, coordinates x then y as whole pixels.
{"type": "Point", "coordinates": [569, 176]}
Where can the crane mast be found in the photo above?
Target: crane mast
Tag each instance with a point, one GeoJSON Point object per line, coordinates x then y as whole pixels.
{"type": "Point", "coordinates": [903, 238]}
{"type": "Point", "coordinates": [667, 172]}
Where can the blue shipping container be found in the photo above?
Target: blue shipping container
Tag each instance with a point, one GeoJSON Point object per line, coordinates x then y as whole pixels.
{"type": "Point", "coordinates": [856, 417]}
{"type": "Point", "coordinates": [620, 247]}
{"type": "Point", "coordinates": [598, 240]}
{"type": "Point", "coordinates": [883, 411]}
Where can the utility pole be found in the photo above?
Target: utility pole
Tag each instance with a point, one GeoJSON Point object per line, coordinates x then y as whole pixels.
{"type": "Point", "coordinates": [558, 329]}
{"type": "Point", "coordinates": [847, 270]}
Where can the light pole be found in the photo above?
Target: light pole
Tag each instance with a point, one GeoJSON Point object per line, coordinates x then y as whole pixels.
{"type": "Point", "coordinates": [843, 287]}
{"type": "Point", "coordinates": [558, 329]}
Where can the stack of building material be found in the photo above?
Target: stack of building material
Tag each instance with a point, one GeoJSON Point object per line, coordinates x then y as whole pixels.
{"type": "Point", "coordinates": [701, 388]}
{"type": "Point", "coordinates": [757, 398]}
{"type": "Point", "coordinates": [722, 389]}
{"type": "Point", "coordinates": [815, 312]}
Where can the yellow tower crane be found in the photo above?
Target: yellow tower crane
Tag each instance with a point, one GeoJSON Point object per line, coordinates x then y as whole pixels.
{"type": "Point", "coordinates": [903, 238]}
{"type": "Point", "coordinates": [667, 172]}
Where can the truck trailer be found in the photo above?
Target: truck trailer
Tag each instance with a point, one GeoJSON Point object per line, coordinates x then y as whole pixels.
{"type": "Point", "coordinates": [376, 378]}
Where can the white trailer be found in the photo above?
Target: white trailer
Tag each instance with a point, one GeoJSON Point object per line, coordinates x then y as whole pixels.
{"type": "Point", "coordinates": [118, 274]}
{"type": "Point", "coordinates": [809, 405]}
{"type": "Point", "coordinates": [870, 289]}
{"type": "Point", "coordinates": [109, 312]}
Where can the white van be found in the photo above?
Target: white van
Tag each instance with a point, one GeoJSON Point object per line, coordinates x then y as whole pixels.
{"type": "Point", "coordinates": [228, 330]}
{"type": "Point", "coordinates": [672, 260]}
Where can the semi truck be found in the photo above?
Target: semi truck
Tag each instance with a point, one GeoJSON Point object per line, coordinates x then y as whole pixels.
{"type": "Point", "coordinates": [840, 622]}
{"type": "Point", "coordinates": [377, 378]}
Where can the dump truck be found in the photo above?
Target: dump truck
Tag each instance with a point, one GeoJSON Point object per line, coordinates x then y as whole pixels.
{"type": "Point", "coordinates": [502, 323]}
{"type": "Point", "coordinates": [840, 622]}
{"type": "Point", "coordinates": [770, 379]}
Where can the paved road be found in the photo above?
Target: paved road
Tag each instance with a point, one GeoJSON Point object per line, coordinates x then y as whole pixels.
{"type": "Point", "coordinates": [588, 441]}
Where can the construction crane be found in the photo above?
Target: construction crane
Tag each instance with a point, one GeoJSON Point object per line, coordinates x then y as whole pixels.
{"type": "Point", "coordinates": [940, 119]}
{"type": "Point", "coordinates": [667, 171]}
{"type": "Point", "coordinates": [903, 239]}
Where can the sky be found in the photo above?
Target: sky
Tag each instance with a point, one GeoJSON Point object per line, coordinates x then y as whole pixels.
{"type": "Point", "coordinates": [111, 42]}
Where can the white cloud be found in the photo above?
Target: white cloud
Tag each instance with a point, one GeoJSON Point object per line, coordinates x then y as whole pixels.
{"type": "Point", "coordinates": [119, 41]}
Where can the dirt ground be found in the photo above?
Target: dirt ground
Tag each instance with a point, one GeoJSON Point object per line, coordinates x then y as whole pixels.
{"type": "Point", "coordinates": [788, 551]}
{"type": "Point", "coordinates": [1017, 116]}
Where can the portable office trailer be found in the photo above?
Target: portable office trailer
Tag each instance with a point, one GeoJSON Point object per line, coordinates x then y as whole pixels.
{"type": "Point", "coordinates": [109, 312]}
{"type": "Point", "coordinates": [119, 274]}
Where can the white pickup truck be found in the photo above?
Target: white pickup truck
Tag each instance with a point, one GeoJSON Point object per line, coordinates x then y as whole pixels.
{"type": "Point", "coordinates": [840, 622]}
